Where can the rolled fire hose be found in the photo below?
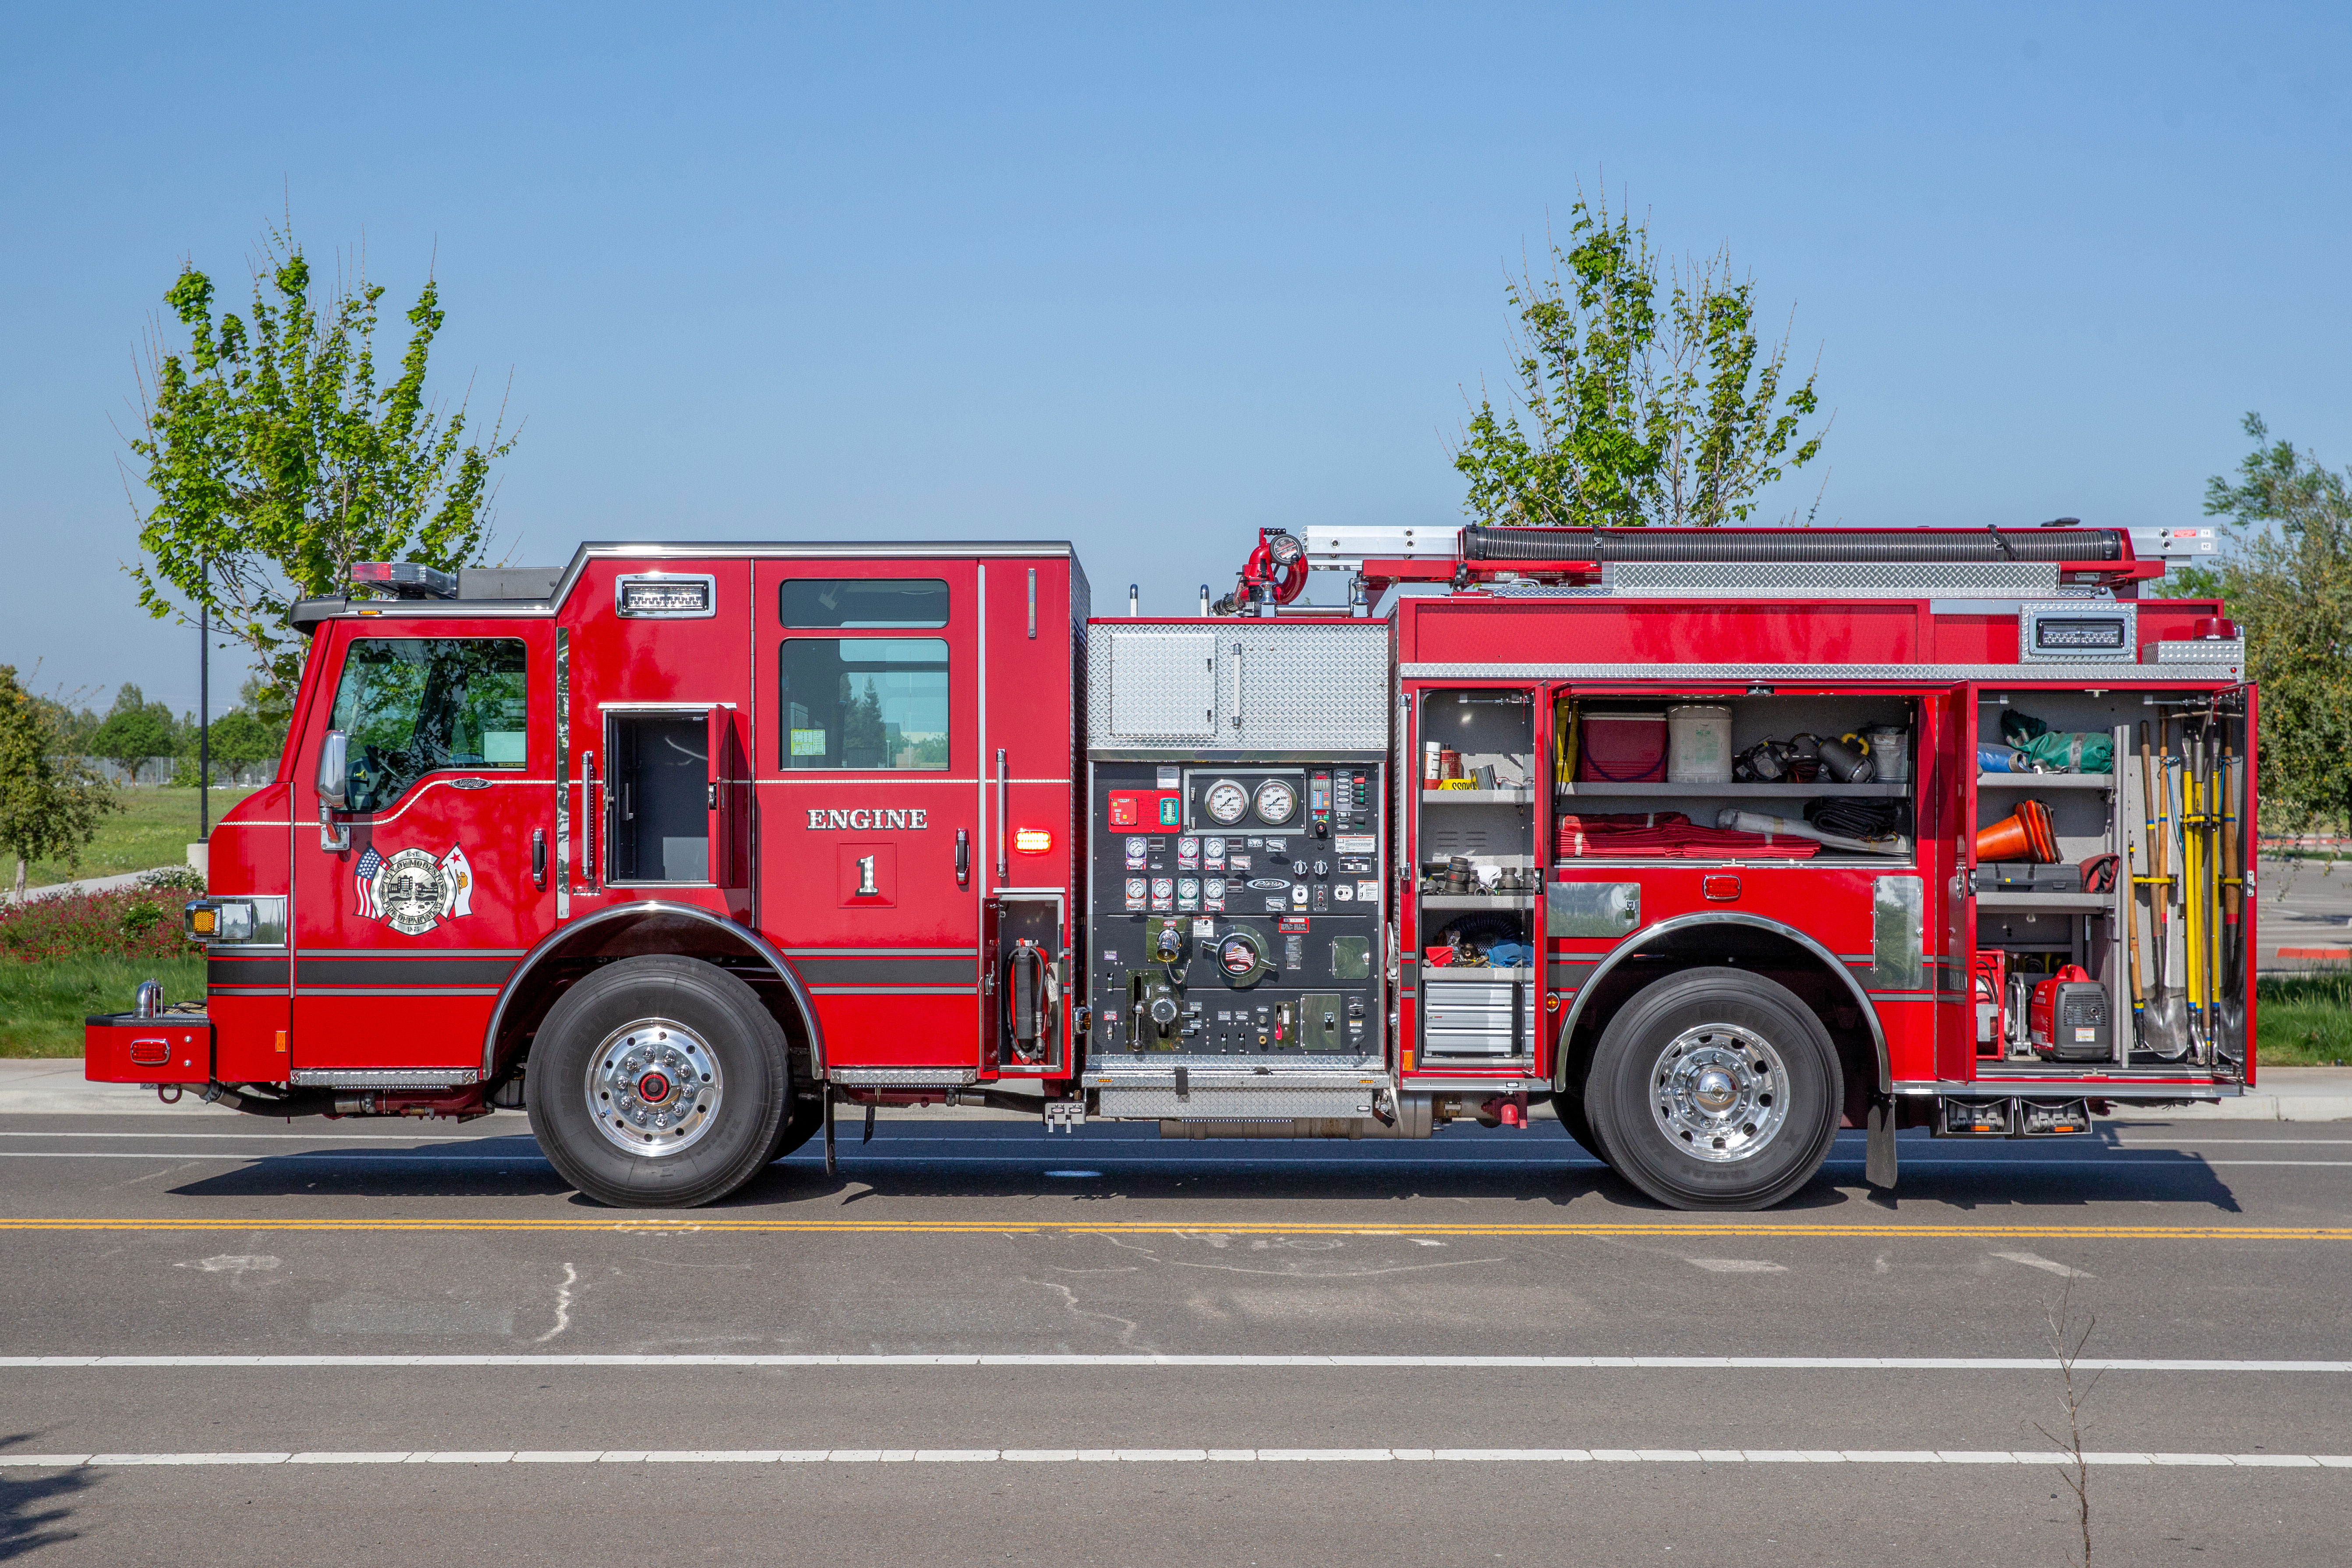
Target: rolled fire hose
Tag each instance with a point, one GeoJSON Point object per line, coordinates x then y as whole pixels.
{"type": "Point", "coordinates": [1798, 828]}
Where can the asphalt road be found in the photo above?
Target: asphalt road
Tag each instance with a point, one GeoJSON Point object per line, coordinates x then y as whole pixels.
{"type": "Point", "coordinates": [2307, 908]}
{"type": "Point", "coordinates": [979, 1344]}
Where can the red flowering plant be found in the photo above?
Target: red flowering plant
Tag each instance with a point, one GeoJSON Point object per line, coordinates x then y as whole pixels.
{"type": "Point", "coordinates": [126, 922]}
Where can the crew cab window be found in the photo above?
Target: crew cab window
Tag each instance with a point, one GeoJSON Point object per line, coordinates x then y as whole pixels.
{"type": "Point", "coordinates": [414, 704]}
{"type": "Point", "coordinates": [864, 702]}
{"type": "Point", "coordinates": [858, 602]}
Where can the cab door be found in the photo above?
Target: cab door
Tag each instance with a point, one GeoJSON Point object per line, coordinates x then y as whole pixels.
{"type": "Point", "coordinates": [413, 903]}
{"type": "Point", "coordinates": [870, 786]}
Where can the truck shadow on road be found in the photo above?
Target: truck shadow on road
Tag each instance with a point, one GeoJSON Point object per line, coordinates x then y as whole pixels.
{"type": "Point", "coordinates": [988, 1164]}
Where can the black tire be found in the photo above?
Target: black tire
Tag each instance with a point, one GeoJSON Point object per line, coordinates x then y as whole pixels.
{"type": "Point", "coordinates": [1570, 1108]}
{"type": "Point", "coordinates": [1682, 1091]}
{"type": "Point", "coordinates": [804, 1122]}
{"type": "Point", "coordinates": [728, 1030]}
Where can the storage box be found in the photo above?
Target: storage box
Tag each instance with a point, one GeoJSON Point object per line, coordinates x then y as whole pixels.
{"type": "Point", "coordinates": [123, 1047]}
{"type": "Point", "coordinates": [1476, 1013]}
{"type": "Point", "coordinates": [1622, 749]}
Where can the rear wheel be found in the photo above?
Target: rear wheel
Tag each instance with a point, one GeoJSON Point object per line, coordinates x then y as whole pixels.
{"type": "Point", "coordinates": [658, 1082]}
{"type": "Point", "coordinates": [1714, 1089]}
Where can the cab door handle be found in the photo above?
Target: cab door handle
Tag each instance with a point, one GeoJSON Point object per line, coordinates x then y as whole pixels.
{"type": "Point", "coordinates": [538, 857]}
{"type": "Point", "coordinates": [963, 857]}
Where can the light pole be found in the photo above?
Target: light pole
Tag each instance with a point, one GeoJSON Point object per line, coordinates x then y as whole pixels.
{"type": "Point", "coordinates": [204, 707]}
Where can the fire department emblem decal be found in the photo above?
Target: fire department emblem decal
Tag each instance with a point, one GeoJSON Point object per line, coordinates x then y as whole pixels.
{"type": "Point", "coordinates": [411, 891]}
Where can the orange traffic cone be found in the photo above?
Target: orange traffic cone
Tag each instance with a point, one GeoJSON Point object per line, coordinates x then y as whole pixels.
{"type": "Point", "coordinates": [2025, 836]}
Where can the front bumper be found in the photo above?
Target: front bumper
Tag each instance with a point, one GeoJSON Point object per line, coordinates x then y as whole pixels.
{"type": "Point", "coordinates": [123, 1047]}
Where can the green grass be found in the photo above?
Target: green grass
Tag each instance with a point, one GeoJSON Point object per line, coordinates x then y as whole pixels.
{"type": "Point", "coordinates": [42, 1005]}
{"type": "Point", "coordinates": [2304, 1021]}
{"type": "Point", "coordinates": [154, 829]}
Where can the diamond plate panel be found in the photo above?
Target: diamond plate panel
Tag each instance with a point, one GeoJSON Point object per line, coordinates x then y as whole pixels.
{"type": "Point", "coordinates": [1271, 686]}
{"type": "Point", "coordinates": [2229, 651]}
{"type": "Point", "coordinates": [1162, 684]}
{"type": "Point", "coordinates": [1834, 579]}
{"type": "Point", "coordinates": [1235, 1104]}
{"type": "Point", "coordinates": [2100, 676]}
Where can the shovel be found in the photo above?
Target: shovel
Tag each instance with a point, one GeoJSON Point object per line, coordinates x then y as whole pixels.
{"type": "Point", "coordinates": [2229, 1003]}
{"type": "Point", "coordinates": [2164, 1033]}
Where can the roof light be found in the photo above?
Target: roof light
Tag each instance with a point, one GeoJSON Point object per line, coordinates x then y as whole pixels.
{"type": "Point", "coordinates": [405, 579]}
{"type": "Point", "coordinates": [1032, 841]}
{"type": "Point", "coordinates": [656, 595]}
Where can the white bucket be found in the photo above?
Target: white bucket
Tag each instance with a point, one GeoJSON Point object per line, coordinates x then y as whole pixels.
{"type": "Point", "coordinates": [1698, 744]}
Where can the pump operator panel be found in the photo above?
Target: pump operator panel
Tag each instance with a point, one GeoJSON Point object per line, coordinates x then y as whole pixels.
{"type": "Point", "coordinates": [1237, 909]}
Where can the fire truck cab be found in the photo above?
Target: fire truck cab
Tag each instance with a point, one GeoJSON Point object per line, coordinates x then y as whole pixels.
{"type": "Point", "coordinates": [1713, 841]}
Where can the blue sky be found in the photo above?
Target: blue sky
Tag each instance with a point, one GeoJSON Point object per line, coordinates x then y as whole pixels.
{"type": "Point", "coordinates": [1149, 279]}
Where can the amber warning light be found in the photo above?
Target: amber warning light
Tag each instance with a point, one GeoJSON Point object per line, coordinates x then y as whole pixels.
{"type": "Point", "coordinates": [1032, 840]}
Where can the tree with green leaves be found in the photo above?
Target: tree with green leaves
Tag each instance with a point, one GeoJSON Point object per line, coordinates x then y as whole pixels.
{"type": "Point", "coordinates": [50, 801]}
{"type": "Point", "coordinates": [134, 729]}
{"type": "Point", "coordinates": [275, 459]}
{"type": "Point", "coordinates": [2288, 583]}
{"type": "Point", "coordinates": [1644, 396]}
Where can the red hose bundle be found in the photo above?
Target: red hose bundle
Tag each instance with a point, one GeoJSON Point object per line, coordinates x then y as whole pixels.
{"type": "Point", "coordinates": [1670, 835]}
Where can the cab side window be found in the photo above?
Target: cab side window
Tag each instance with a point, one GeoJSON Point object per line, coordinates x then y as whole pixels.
{"type": "Point", "coordinates": [415, 705]}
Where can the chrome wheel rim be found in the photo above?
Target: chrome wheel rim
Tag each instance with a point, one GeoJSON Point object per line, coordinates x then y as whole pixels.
{"type": "Point", "coordinates": [1720, 1093]}
{"type": "Point", "coordinates": [654, 1087]}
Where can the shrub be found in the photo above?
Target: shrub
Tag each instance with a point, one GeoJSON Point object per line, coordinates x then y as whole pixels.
{"type": "Point", "coordinates": [181, 879]}
{"type": "Point", "coordinates": [127, 922]}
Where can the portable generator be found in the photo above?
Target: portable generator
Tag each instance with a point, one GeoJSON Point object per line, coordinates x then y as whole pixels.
{"type": "Point", "coordinates": [2069, 1018]}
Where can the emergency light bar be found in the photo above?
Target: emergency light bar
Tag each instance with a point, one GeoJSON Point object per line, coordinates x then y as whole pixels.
{"type": "Point", "coordinates": [658, 596]}
{"type": "Point", "coordinates": [405, 579]}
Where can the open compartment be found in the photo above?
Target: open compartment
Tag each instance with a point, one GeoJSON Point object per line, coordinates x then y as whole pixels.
{"type": "Point", "coordinates": [1824, 778]}
{"type": "Point", "coordinates": [2107, 889]}
{"type": "Point", "coordinates": [1476, 874]}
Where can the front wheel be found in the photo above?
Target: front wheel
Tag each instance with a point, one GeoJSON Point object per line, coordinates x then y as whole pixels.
{"type": "Point", "coordinates": [1714, 1089]}
{"type": "Point", "coordinates": [658, 1082]}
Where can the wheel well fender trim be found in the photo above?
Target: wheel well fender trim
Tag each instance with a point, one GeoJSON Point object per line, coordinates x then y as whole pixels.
{"type": "Point", "coordinates": [1633, 945]}
{"type": "Point", "coordinates": [556, 939]}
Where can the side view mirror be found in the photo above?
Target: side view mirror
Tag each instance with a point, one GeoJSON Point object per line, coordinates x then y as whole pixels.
{"type": "Point", "coordinates": [335, 770]}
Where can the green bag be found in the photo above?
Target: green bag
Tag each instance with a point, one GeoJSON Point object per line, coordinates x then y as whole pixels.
{"type": "Point", "coordinates": [2079, 751]}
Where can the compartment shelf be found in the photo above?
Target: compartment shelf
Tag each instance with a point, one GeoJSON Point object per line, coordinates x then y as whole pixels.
{"type": "Point", "coordinates": [1519, 797]}
{"type": "Point", "coordinates": [2045, 781]}
{"type": "Point", "coordinates": [2050, 903]}
{"type": "Point", "coordinates": [1731, 791]}
{"type": "Point", "coordinates": [1478, 901]}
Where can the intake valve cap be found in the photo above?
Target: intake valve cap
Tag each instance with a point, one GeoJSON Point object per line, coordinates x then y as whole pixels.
{"type": "Point", "coordinates": [1163, 1010]}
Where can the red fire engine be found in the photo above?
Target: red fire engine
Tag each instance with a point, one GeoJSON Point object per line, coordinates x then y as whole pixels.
{"type": "Point", "coordinates": [1717, 840]}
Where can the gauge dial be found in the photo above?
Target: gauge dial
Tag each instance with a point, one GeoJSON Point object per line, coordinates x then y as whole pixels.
{"type": "Point", "coordinates": [1225, 802]}
{"type": "Point", "coordinates": [1277, 802]}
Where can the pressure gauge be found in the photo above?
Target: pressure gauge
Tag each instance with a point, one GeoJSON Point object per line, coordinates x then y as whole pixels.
{"type": "Point", "coordinates": [1225, 802]}
{"type": "Point", "coordinates": [1277, 802]}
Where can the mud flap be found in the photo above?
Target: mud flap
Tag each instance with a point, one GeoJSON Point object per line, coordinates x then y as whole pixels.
{"type": "Point", "coordinates": [1878, 1164]}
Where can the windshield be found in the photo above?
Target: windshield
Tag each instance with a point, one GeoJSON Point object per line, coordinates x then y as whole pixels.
{"type": "Point", "coordinates": [414, 704]}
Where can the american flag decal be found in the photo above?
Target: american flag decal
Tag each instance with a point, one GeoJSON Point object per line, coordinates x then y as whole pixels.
{"type": "Point", "coordinates": [363, 879]}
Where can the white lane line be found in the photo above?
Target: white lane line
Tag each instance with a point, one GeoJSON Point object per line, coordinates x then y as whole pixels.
{"type": "Point", "coordinates": [1183, 1456]}
{"type": "Point", "coordinates": [2047, 1265]}
{"type": "Point", "coordinates": [290, 1137]}
{"type": "Point", "coordinates": [1485, 1362]}
{"type": "Point", "coordinates": [2184, 1165]}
